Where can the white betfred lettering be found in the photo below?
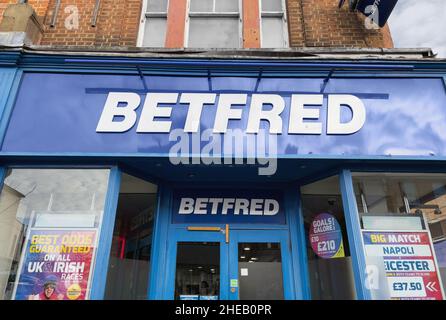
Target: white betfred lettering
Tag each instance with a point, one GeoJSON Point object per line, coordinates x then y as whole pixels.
{"type": "Point", "coordinates": [201, 206]}
{"type": "Point", "coordinates": [334, 125]}
{"type": "Point", "coordinates": [112, 109]}
{"type": "Point", "coordinates": [186, 206]}
{"type": "Point", "coordinates": [196, 102]}
{"type": "Point", "coordinates": [152, 110]}
{"type": "Point", "coordinates": [256, 207]}
{"type": "Point", "coordinates": [119, 113]}
{"type": "Point", "coordinates": [271, 207]}
{"type": "Point", "coordinates": [215, 202]}
{"type": "Point", "coordinates": [226, 113]}
{"type": "Point", "coordinates": [241, 205]}
{"type": "Point", "coordinates": [256, 112]}
{"type": "Point", "coordinates": [227, 204]}
{"type": "Point", "coordinates": [298, 113]}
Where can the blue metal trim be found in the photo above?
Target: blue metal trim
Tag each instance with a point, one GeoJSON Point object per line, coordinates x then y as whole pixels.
{"type": "Point", "coordinates": [298, 243]}
{"type": "Point", "coordinates": [233, 269]}
{"type": "Point", "coordinates": [166, 155]}
{"type": "Point", "coordinates": [232, 73]}
{"type": "Point", "coordinates": [10, 58]}
{"type": "Point", "coordinates": [158, 258]}
{"type": "Point", "coordinates": [99, 279]}
{"type": "Point", "coordinates": [60, 166]}
{"type": "Point", "coordinates": [377, 96]}
{"type": "Point", "coordinates": [354, 234]}
{"type": "Point", "coordinates": [62, 60]}
{"type": "Point", "coordinates": [421, 168]}
{"type": "Point", "coordinates": [239, 63]}
{"type": "Point", "coordinates": [9, 88]}
{"type": "Point", "coordinates": [3, 171]}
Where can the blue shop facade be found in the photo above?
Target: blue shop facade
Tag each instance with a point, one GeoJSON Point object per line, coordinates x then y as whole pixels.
{"type": "Point", "coordinates": [202, 179]}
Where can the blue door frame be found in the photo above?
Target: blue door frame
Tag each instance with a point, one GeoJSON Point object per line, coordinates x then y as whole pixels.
{"type": "Point", "coordinates": [229, 256]}
{"type": "Point", "coordinates": [195, 236]}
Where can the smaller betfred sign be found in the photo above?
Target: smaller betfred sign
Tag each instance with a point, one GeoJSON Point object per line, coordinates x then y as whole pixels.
{"type": "Point", "coordinates": [228, 206]}
{"type": "Point", "coordinates": [408, 262]}
{"type": "Point", "coordinates": [326, 237]}
{"type": "Point", "coordinates": [56, 265]}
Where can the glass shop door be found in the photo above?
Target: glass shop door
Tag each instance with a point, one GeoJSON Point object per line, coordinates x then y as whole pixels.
{"type": "Point", "coordinates": [260, 265]}
{"type": "Point", "coordinates": [230, 265]}
{"type": "Point", "coordinates": [198, 265]}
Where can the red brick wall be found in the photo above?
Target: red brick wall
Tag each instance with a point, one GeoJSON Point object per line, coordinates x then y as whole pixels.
{"type": "Point", "coordinates": [311, 23]}
{"type": "Point", "coordinates": [117, 23]}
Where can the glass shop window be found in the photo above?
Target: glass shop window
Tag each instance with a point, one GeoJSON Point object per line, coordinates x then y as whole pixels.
{"type": "Point", "coordinates": [329, 261]}
{"type": "Point", "coordinates": [155, 23]}
{"type": "Point", "coordinates": [404, 203]}
{"type": "Point", "coordinates": [214, 24]}
{"type": "Point", "coordinates": [49, 227]}
{"type": "Point", "coordinates": [129, 264]}
{"type": "Point", "coordinates": [273, 24]}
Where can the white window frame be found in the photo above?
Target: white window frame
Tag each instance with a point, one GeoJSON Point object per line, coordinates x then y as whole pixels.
{"type": "Point", "coordinates": [148, 14]}
{"type": "Point", "coordinates": [275, 14]}
{"type": "Point", "coordinates": [214, 14]}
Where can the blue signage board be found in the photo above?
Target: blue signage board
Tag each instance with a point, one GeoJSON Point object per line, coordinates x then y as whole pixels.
{"type": "Point", "coordinates": [228, 206]}
{"type": "Point", "coordinates": [114, 114]}
{"type": "Point", "coordinates": [378, 10]}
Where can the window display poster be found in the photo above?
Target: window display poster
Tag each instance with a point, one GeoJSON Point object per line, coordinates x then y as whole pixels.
{"type": "Point", "coordinates": [401, 266]}
{"type": "Point", "coordinates": [326, 237]}
{"type": "Point", "coordinates": [56, 265]}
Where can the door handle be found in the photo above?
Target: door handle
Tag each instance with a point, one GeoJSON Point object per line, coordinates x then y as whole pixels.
{"type": "Point", "coordinates": [204, 229]}
{"type": "Point", "coordinates": [225, 231]}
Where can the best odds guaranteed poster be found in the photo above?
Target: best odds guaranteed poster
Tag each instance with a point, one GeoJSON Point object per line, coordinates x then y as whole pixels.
{"type": "Point", "coordinates": [58, 258]}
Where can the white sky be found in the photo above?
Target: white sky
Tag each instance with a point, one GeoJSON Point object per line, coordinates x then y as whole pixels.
{"type": "Point", "coordinates": [420, 23]}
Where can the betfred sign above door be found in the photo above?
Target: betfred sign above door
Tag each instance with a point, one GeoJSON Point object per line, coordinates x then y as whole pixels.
{"type": "Point", "coordinates": [228, 206]}
{"type": "Point", "coordinates": [110, 114]}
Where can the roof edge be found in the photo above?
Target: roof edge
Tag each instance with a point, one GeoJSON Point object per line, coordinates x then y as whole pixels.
{"type": "Point", "coordinates": [289, 53]}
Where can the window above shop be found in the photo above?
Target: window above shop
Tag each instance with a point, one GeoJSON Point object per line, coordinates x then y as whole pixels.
{"type": "Point", "coordinates": [273, 24]}
{"type": "Point", "coordinates": [213, 24]}
{"type": "Point", "coordinates": [155, 23]}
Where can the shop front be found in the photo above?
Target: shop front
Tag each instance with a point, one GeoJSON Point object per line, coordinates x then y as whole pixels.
{"type": "Point", "coordinates": [200, 179]}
